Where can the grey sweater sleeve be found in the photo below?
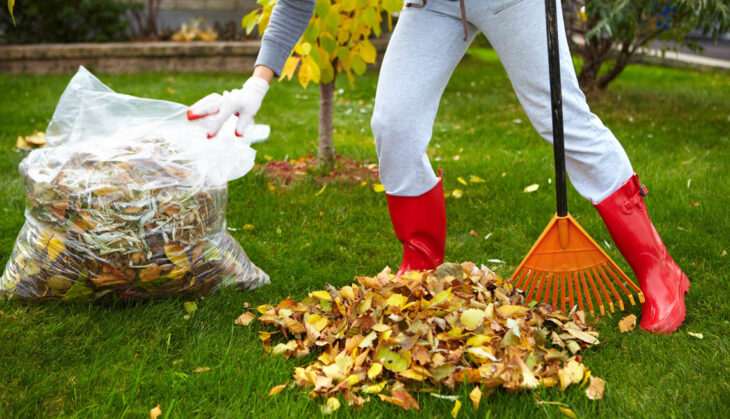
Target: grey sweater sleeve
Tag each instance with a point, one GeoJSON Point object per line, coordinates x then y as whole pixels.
{"type": "Point", "coordinates": [288, 21]}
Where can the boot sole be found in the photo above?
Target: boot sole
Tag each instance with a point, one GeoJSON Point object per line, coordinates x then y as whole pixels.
{"type": "Point", "coordinates": [670, 323]}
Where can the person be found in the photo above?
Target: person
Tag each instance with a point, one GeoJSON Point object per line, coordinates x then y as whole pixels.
{"type": "Point", "coordinates": [430, 38]}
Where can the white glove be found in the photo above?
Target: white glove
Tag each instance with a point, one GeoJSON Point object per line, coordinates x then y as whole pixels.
{"type": "Point", "coordinates": [243, 102]}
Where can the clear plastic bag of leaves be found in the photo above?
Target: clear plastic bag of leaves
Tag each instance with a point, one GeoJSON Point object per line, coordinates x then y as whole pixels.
{"type": "Point", "coordinates": [127, 200]}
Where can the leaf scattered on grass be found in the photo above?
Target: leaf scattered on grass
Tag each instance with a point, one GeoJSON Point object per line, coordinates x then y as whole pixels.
{"type": "Point", "coordinates": [155, 412]}
{"type": "Point", "coordinates": [331, 405]}
{"type": "Point", "coordinates": [567, 412]}
{"type": "Point", "coordinates": [245, 319]}
{"type": "Point", "coordinates": [190, 307]}
{"type": "Point", "coordinates": [627, 324]}
{"type": "Point", "coordinates": [594, 391]}
{"type": "Point", "coordinates": [202, 369]}
{"type": "Point", "coordinates": [457, 193]}
{"type": "Point", "coordinates": [458, 324]}
{"type": "Point", "coordinates": [696, 335]}
{"type": "Point", "coordinates": [455, 410]}
{"type": "Point", "coordinates": [462, 181]}
{"type": "Point", "coordinates": [378, 187]}
{"type": "Point", "coordinates": [475, 396]}
{"type": "Point", "coordinates": [531, 188]}
{"type": "Point", "coordinates": [276, 389]}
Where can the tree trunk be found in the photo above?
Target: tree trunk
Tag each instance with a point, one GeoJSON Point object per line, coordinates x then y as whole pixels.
{"type": "Point", "coordinates": [326, 151]}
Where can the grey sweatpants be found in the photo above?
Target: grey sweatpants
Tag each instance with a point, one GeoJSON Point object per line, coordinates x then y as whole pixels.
{"type": "Point", "coordinates": [424, 49]}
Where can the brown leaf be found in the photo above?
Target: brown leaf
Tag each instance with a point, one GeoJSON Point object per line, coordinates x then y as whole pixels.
{"type": "Point", "coordinates": [245, 319]}
{"type": "Point", "coordinates": [627, 324]}
{"type": "Point", "coordinates": [150, 273]}
{"type": "Point", "coordinates": [594, 391]}
{"type": "Point", "coordinates": [202, 369]}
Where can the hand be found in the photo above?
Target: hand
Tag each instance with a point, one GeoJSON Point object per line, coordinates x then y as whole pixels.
{"type": "Point", "coordinates": [243, 102]}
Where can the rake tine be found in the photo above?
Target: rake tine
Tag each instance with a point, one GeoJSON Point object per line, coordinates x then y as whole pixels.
{"type": "Point", "coordinates": [548, 283]}
{"type": "Point", "coordinates": [613, 289]}
{"type": "Point", "coordinates": [563, 292]}
{"type": "Point", "coordinates": [587, 294]}
{"type": "Point", "coordinates": [556, 285]}
{"type": "Point", "coordinates": [522, 276]}
{"type": "Point", "coordinates": [606, 295]}
{"type": "Point", "coordinates": [570, 290]}
{"type": "Point", "coordinates": [620, 283]}
{"type": "Point", "coordinates": [535, 280]}
{"type": "Point", "coordinates": [596, 295]}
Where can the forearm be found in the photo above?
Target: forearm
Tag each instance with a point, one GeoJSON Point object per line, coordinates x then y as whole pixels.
{"type": "Point", "coordinates": [288, 21]}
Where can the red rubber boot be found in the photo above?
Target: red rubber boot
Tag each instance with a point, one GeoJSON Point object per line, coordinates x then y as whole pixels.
{"type": "Point", "coordinates": [661, 280]}
{"type": "Point", "coordinates": [420, 224]}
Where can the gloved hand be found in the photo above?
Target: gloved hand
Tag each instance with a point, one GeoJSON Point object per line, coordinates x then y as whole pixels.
{"type": "Point", "coordinates": [243, 102]}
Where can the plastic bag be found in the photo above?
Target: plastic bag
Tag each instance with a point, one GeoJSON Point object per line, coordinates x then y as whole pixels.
{"type": "Point", "coordinates": [128, 199]}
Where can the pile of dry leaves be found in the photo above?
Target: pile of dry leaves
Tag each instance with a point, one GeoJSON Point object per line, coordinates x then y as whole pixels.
{"type": "Point", "coordinates": [390, 336]}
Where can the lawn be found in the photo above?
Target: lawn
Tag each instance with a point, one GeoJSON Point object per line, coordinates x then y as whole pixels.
{"type": "Point", "coordinates": [118, 360]}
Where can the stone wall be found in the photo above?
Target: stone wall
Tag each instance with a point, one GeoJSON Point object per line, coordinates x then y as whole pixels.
{"type": "Point", "coordinates": [182, 57]}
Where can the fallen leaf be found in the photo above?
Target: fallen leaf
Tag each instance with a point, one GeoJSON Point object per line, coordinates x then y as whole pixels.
{"type": "Point", "coordinates": [247, 227]}
{"type": "Point", "coordinates": [245, 319]}
{"type": "Point", "coordinates": [696, 335]}
{"type": "Point", "coordinates": [462, 181]}
{"type": "Point", "coordinates": [155, 412]}
{"type": "Point", "coordinates": [455, 410]}
{"type": "Point", "coordinates": [474, 233]}
{"type": "Point", "coordinates": [531, 188]}
{"type": "Point", "coordinates": [276, 389]}
{"type": "Point", "coordinates": [190, 306]}
{"type": "Point", "coordinates": [476, 179]}
{"type": "Point", "coordinates": [378, 187]}
{"type": "Point", "coordinates": [571, 373]}
{"type": "Point", "coordinates": [202, 369]}
{"type": "Point", "coordinates": [176, 254]}
{"type": "Point", "coordinates": [472, 318]}
{"type": "Point", "coordinates": [332, 404]}
{"type": "Point", "coordinates": [408, 401]}
{"type": "Point", "coordinates": [320, 192]}
{"type": "Point", "coordinates": [475, 396]}
{"type": "Point", "coordinates": [56, 246]}
{"type": "Point", "coordinates": [457, 193]}
{"type": "Point", "coordinates": [567, 412]}
{"type": "Point", "coordinates": [375, 370]}
{"type": "Point", "coordinates": [695, 204]}
{"type": "Point", "coordinates": [594, 391]}
{"type": "Point", "coordinates": [627, 324]}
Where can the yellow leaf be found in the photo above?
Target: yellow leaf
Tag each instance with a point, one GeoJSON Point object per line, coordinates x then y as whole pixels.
{"type": "Point", "coordinates": [472, 318]}
{"type": "Point", "coordinates": [457, 193]}
{"type": "Point", "coordinates": [375, 370]}
{"type": "Point", "coordinates": [476, 179]}
{"type": "Point", "coordinates": [571, 373]}
{"type": "Point", "coordinates": [367, 52]}
{"type": "Point", "coordinates": [396, 300]}
{"type": "Point", "coordinates": [567, 412]}
{"type": "Point", "coordinates": [332, 404]}
{"type": "Point", "coordinates": [276, 389]}
{"type": "Point", "coordinates": [455, 410]}
{"type": "Point", "coordinates": [314, 68]}
{"type": "Point", "coordinates": [475, 396]}
{"type": "Point", "coordinates": [374, 388]}
{"type": "Point", "coordinates": [321, 191]}
{"type": "Point", "coordinates": [176, 254]}
{"type": "Point", "coordinates": [317, 321]}
{"type": "Point", "coordinates": [202, 369]}
{"type": "Point", "coordinates": [177, 273]}
{"type": "Point", "coordinates": [248, 227]}
{"type": "Point", "coordinates": [55, 247]}
{"type": "Point", "coordinates": [378, 187]}
{"type": "Point", "coordinates": [512, 310]}
{"type": "Point", "coordinates": [303, 48]}
{"type": "Point", "coordinates": [155, 412]}
{"type": "Point", "coordinates": [461, 180]}
{"type": "Point", "coordinates": [305, 74]}
{"type": "Point", "coordinates": [322, 295]}
{"type": "Point", "coordinates": [531, 188]}
{"type": "Point", "coordinates": [289, 68]}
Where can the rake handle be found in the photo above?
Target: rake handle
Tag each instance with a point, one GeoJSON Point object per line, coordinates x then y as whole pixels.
{"type": "Point", "coordinates": [556, 102]}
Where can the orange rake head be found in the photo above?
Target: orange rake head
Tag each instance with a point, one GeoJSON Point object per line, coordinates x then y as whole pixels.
{"type": "Point", "coordinates": [565, 266]}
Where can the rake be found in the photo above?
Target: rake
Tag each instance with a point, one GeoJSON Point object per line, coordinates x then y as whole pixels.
{"type": "Point", "coordinates": [565, 266]}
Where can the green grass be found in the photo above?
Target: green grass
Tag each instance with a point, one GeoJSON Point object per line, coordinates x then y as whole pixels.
{"type": "Point", "coordinates": [121, 360]}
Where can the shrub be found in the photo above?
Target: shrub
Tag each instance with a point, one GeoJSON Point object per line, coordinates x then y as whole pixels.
{"type": "Point", "coordinates": [40, 21]}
